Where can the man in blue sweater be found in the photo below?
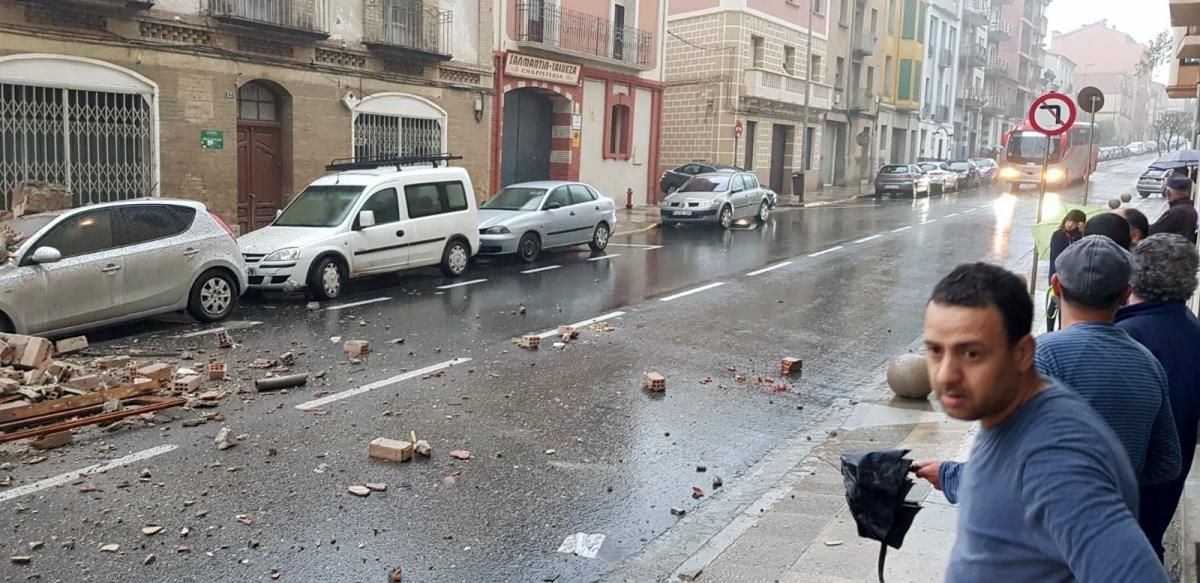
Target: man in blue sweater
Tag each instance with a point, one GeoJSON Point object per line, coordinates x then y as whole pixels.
{"type": "Point", "coordinates": [1050, 495]}
{"type": "Point", "coordinates": [1119, 378]}
{"type": "Point", "coordinates": [1164, 277]}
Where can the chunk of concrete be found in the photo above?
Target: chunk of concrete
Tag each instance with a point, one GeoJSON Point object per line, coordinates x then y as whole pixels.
{"type": "Point", "coordinates": [73, 344]}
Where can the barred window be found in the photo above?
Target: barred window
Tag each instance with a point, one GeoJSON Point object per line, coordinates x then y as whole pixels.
{"type": "Point", "coordinates": [380, 135]}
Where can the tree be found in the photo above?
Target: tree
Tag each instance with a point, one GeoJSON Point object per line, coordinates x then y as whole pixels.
{"type": "Point", "coordinates": [1157, 53]}
{"type": "Point", "coordinates": [1172, 129]}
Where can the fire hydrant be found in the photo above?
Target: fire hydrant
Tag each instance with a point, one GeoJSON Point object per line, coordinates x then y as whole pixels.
{"type": "Point", "coordinates": [628, 198]}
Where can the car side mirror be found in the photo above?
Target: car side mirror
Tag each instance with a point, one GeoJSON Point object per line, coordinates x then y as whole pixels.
{"type": "Point", "coordinates": [366, 219]}
{"type": "Point", "coordinates": [736, 190]}
{"type": "Point", "coordinates": [552, 206]}
{"type": "Point", "coordinates": [46, 255]}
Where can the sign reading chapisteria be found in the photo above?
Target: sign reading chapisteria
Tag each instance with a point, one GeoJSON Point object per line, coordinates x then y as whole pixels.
{"type": "Point", "coordinates": [519, 65]}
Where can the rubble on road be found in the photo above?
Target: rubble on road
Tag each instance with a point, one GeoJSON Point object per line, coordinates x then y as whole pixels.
{"type": "Point", "coordinates": [360, 491]}
{"type": "Point", "coordinates": [222, 439]}
{"type": "Point", "coordinates": [791, 366]}
{"type": "Point", "coordinates": [391, 450]}
{"type": "Point", "coordinates": [653, 381]}
{"type": "Point", "coordinates": [529, 342]}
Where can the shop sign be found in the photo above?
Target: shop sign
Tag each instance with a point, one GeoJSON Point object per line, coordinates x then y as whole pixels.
{"type": "Point", "coordinates": [529, 67]}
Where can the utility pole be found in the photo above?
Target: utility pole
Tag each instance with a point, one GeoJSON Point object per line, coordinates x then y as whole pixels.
{"type": "Point", "coordinates": [804, 145]}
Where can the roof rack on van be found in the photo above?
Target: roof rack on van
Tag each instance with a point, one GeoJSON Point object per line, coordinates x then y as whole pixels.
{"type": "Point", "coordinates": [372, 162]}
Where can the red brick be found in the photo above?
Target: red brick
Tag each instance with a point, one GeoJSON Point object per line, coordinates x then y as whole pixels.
{"type": "Point", "coordinates": [72, 344]}
{"type": "Point", "coordinates": [390, 449]}
{"type": "Point", "coordinates": [36, 354]}
{"type": "Point", "coordinates": [158, 371]}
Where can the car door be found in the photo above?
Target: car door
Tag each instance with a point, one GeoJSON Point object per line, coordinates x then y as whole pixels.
{"type": "Point", "coordinates": [384, 245]}
{"type": "Point", "coordinates": [88, 284]}
{"type": "Point", "coordinates": [589, 213]}
{"type": "Point", "coordinates": [160, 257]}
{"type": "Point", "coordinates": [562, 224]}
{"type": "Point", "coordinates": [739, 196]}
{"type": "Point", "coordinates": [754, 192]}
{"type": "Point", "coordinates": [435, 212]}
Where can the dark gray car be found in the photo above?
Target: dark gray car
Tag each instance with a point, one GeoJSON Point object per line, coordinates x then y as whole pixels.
{"type": "Point", "coordinates": [718, 197]}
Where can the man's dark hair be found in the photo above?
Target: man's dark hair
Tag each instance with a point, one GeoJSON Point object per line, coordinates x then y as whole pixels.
{"type": "Point", "coordinates": [1093, 303]}
{"type": "Point", "coordinates": [1112, 226]}
{"type": "Point", "coordinates": [982, 285]}
{"type": "Point", "coordinates": [1137, 221]}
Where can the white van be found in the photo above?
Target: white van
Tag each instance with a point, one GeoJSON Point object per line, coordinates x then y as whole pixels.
{"type": "Point", "coordinates": [365, 220]}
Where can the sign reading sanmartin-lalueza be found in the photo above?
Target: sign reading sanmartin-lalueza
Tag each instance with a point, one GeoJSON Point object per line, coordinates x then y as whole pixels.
{"type": "Point", "coordinates": [519, 65]}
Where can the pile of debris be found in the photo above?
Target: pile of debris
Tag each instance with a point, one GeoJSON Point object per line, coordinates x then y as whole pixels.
{"type": "Point", "coordinates": [29, 198]}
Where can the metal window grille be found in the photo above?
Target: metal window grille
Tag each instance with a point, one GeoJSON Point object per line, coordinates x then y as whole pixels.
{"type": "Point", "coordinates": [99, 144]}
{"type": "Point", "coordinates": [378, 135]}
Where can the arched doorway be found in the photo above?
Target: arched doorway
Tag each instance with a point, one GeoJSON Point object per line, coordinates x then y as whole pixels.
{"type": "Point", "coordinates": [528, 119]}
{"type": "Point", "coordinates": [260, 155]}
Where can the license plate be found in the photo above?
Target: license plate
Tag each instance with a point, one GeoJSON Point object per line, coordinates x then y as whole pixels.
{"type": "Point", "coordinates": [891, 188]}
{"type": "Point", "coordinates": [683, 213]}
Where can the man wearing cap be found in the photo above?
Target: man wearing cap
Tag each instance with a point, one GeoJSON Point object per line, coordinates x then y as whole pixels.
{"type": "Point", "coordinates": [1117, 376]}
{"type": "Point", "coordinates": [1180, 217]}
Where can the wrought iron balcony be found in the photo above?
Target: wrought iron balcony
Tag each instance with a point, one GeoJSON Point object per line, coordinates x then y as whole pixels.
{"type": "Point", "coordinates": [975, 12]}
{"type": "Point", "coordinates": [544, 26]}
{"type": "Point", "coordinates": [995, 104]}
{"type": "Point", "coordinates": [864, 45]}
{"type": "Point", "coordinates": [296, 18]}
{"type": "Point", "coordinates": [975, 55]}
{"type": "Point", "coordinates": [106, 4]}
{"type": "Point", "coordinates": [973, 98]}
{"type": "Point", "coordinates": [999, 28]}
{"type": "Point", "coordinates": [408, 28]}
{"type": "Point", "coordinates": [998, 67]}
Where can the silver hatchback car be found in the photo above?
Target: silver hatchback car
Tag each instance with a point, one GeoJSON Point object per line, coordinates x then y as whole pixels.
{"type": "Point", "coordinates": [108, 263]}
{"type": "Point", "coordinates": [718, 197]}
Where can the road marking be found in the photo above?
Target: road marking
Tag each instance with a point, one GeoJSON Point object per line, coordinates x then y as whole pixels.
{"type": "Point", "coordinates": [642, 247]}
{"type": "Point", "coordinates": [871, 238]}
{"type": "Point", "coordinates": [541, 269]}
{"type": "Point", "coordinates": [461, 284]}
{"type": "Point", "coordinates": [69, 477]}
{"type": "Point", "coordinates": [578, 325]}
{"type": "Point", "coordinates": [692, 291]}
{"type": "Point", "coordinates": [829, 250]}
{"type": "Point", "coordinates": [604, 257]}
{"type": "Point", "coordinates": [380, 384]}
{"type": "Point", "coordinates": [951, 215]}
{"type": "Point", "coordinates": [229, 327]}
{"type": "Point", "coordinates": [356, 304]}
{"type": "Point", "coordinates": [901, 229]}
{"type": "Point", "coordinates": [771, 268]}
{"type": "Point", "coordinates": [927, 221]}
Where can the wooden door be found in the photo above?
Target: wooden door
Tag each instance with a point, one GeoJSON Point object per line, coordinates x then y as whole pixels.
{"type": "Point", "coordinates": [528, 124]}
{"type": "Point", "coordinates": [260, 174]}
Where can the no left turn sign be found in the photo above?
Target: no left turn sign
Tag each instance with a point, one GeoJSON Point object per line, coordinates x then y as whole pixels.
{"type": "Point", "coordinates": [1052, 114]}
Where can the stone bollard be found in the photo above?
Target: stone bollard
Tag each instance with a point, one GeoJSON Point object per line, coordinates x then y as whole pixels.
{"type": "Point", "coordinates": [908, 377]}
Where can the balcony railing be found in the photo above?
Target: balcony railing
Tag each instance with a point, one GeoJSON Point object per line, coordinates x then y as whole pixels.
{"type": "Point", "coordinates": [408, 28]}
{"type": "Point", "coordinates": [941, 114]}
{"type": "Point", "coordinates": [973, 98]}
{"type": "Point", "coordinates": [109, 4]}
{"type": "Point", "coordinates": [946, 58]}
{"type": "Point", "coordinates": [782, 88]}
{"type": "Point", "coordinates": [864, 45]}
{"type": "Point", "coordinates": [303, 17]}
{"type": "Point", "coordinates": [862, 101]}
{"type": "Point", "coordinates": [997, 66]}
{"type": "Point", "coordinates": [999, 28]}
{"type": "Point", "coordinates": [549, 27]}
{"type": "Point", "coordinates": [975, 54]}
{"type": "Point", "coordinates": [976, 12]}
{"type": "Point", "coordinates": [995, 104]}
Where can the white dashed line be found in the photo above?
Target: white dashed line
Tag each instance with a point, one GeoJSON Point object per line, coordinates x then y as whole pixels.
{"type": "Point", "coordinates": [541, 269]}
{"type": "Point", "coordinates": [356, 304]}
{"type": "Point", "coordinates": [604, 257]}
{"type": "Point", "coordinates": [636, 246]}
{"type": "Point", "coordinates": [309, 405]}
{"type": "Point", "coordinates": [692, 291]}
{"type": "Point", "coordinates": [69, 477]}
{"type": "Point", "coordinates": [871, 238]}
{"type": "Point", "coordinates": [927, 221]}
{"type": "Point", "coordinates": [461, 284]}
{"type": "Point", "coordinates": [228, 327]}
{"type": "Point", "coordinates": [770, 268]}
{"type": "Point", "coordinates": [951, 215]}
{"type": "Point", "coordinates": [588, 322]}
{"type": "Point", "coordinates": [829, 250]}
{"type": "Point", "coordinates": [901, 229]}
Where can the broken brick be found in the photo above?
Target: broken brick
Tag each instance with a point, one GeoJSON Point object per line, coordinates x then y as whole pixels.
{"type": "Point", "coordinates": [158, 371]}
{"type": "Point", "coordinates": [8, 385]}
{"type": "Point", "coordinates": [112, 362]}
{"type": "Point", "coordinates": [7, 352]}
{"type": "Point", "coordinates": [791, 366]}
{"type": "Point", "coordinates": [36, 354]}
{"type": "Point", "coordinates": [51, 441]}
{"type": "Point", "coordinates": [530, 342]}
{"type": "Point", "coordinates": [654, 382]}
{"type": "Point", "coordinates": [568, 332]}
{"type": "Point", "coordinates": [89, 382]}
{"type": "Point", "coordinates": [216, 371]}
{"type": "Point", "coordinates": [73, 344]}
{"type": "Point", "coordinates": [287, 359]}
{"type": "Point", "coordinates": [143, 383]}
{"type": "Point", "coordinates": [188, 384]}
{"type": "Point", "coordinates": [391, 450]}
{"type": "Point", "coordinates": [224, 340]}
{"type": "Point", "coordinates": [356, 348]}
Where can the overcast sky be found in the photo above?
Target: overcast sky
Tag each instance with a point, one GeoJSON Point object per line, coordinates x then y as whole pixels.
{"type": "Point", "coordinates": [1142, 19]}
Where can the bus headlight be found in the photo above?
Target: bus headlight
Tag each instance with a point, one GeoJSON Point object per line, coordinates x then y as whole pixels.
{"type": "Point", "coordinates": [1055, 175]}
{"type": "Point", "coordinates": [1009, 172]}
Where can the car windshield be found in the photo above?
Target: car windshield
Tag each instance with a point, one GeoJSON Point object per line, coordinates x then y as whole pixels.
{"type": "Point", "coordinates": [929, 167]}
{"type": "Point", "coordinates": [516, 198]}
{"type": "Point", "coordinates": [1031, 147]}
{"type": "Point", "coordinates": [894, 170]}
{"type": "Point", "coordinates": [706, 184]}
{"type": "Point", "coordinates": [1154, 173]}
{"type": "Point", "coordinates": [320, 206]}
{"type": "Point", "coordinates": [27, 226]}
{"type": "Point", "coordinates": [959, 166]}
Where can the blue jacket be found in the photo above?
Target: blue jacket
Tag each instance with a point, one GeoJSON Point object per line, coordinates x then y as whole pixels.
{"type": "Point", "coordinates": [1172, 333]}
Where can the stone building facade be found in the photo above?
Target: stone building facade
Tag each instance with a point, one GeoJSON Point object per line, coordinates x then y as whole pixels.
{"type": "Point", "coordinates": [236, 103]}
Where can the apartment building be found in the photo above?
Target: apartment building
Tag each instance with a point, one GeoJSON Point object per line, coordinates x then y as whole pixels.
{"type": "Point", "coordinates": [976, 79]}
{"type": "Point", "coordinates": [855, 52]}
{"type": "Point", "coordinates": [1060, 74]}
{"type": "Point", "coordinates": [938, 109]}
{"type": "Point", "coordinates": [579, 93]}
{"type": "Point", "coordinates": [236, 103]}
{"type": "Point", "coordinates": [1184, 81]}
{"type": "Point", "coordinates": [742, 78]}
{"type": "Point", "coordinates": [898, 139]}
{"type": "Point", "coordinates": [1108, 59]}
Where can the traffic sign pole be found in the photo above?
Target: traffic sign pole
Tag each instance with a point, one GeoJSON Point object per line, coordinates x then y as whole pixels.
{"type": "Point", "coordinates": [1051, 124]}
{"type": "Point", "coordinates": [1087, 179]}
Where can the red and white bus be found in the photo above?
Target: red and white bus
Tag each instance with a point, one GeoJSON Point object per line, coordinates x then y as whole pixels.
{"type": "Point", "coordinates": [1070, 158]}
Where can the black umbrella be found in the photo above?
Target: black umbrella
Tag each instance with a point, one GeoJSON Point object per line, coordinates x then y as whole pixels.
{"type": "Point", "coordinates": [876, 484]}
{"type": "Point", "coordinates": [1177, 159]}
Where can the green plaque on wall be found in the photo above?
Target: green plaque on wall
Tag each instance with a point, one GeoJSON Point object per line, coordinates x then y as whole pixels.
{"type": "Point", "coordinates": [212, 140]}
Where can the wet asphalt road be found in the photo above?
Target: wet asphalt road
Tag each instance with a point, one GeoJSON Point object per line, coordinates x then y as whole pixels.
{"type": "Point", "coordinates": [845, 291]}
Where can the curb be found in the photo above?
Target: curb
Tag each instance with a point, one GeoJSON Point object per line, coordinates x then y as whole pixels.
{"type": "Point", "coordinates": [649, 227]}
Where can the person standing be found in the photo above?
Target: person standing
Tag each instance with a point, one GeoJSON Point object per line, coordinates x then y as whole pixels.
{"type": "Point", "coordinates": [1164, 278]}
{"type": "Point", "coordinates": [1050, 495]}
{"type": "Point", "coordinates": [1069, 231]}
{"type": "Point", "coordinates": [1180, 217]}
{"type": "Point", "coordinates": [1139, 225]}
{"type": "Point", "coordinates": [1110, 225]}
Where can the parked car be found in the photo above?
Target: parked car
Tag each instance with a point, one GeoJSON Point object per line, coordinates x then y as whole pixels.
{"type": "Point", "coordinates": [717, 197]}
{"type": "Point", "coordinates": [941, 175]}
{"type": "Point", "coordinates": [529, 217]}
{"type": "Point", "coordinates": [115, 262]}
{"type": "Point", "coordinates": [896, 179]}
{"type": "Point", "coordinates": [1153, 181]}
{"type": "Point", "coordinates": [672, 179]}
{"type": "Point", "coordinates": [363, 221]}
{"type": "Point", "coordinates": [988, 169]}
{"type": "Point", "coordinates": [968, 173]}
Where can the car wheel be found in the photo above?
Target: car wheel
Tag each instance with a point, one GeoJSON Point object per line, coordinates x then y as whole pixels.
{"type": "Point", "coordinates": [6, 325]}
{"type": "Point", "coordinates": [764, 213]}
{"type": "Point", "coordinates": [213, 297]}
{"type": "Point", "coordinates": [726, 217]}
{"type": "Point", "coordinates": [600, 236]}
{"type": "Point", "coordinates": [530, 247]}
{"type": "Point", "coordinates": [1143, 194]}
{"type": "Point", "coordinates": [455, 258]}
{"type": "Point", "coordinates": [325, 279]}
